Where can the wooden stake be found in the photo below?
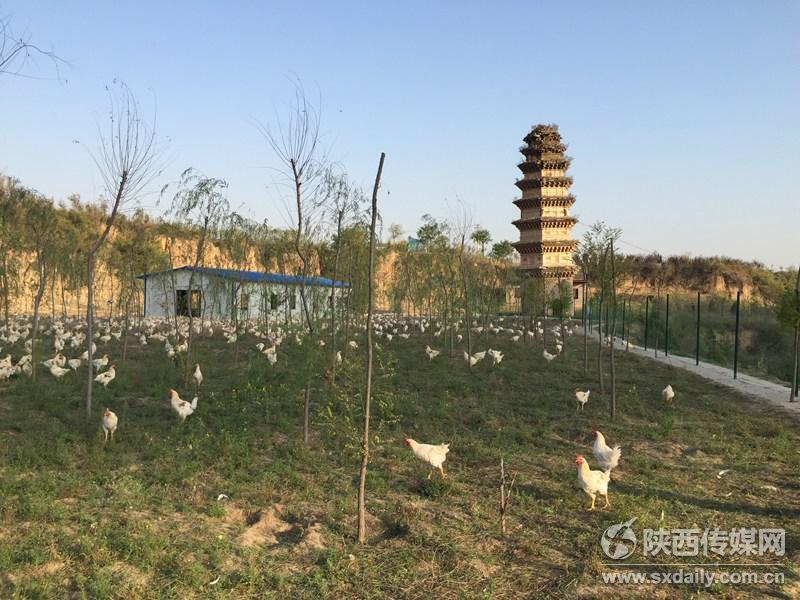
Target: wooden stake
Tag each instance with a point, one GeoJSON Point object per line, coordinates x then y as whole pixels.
{"type": "Point", "coordinates": [362, 475]}
{"type": "Point", "coordinates": [505, 496]}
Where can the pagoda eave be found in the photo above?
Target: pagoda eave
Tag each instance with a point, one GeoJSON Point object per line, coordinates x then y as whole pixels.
{"type": "Point", "coordinates": [540, 182]}
{"type": "Point", "coordinates": [545, 223]}
{"type": "Point", "coordinates": [553, 272]}
{"type": "Point", "coordinates": [546, 247]}
{"type": "Point", "coordinates": [546, 201]}
{"type": "Point", "coordinates": [531, 166]}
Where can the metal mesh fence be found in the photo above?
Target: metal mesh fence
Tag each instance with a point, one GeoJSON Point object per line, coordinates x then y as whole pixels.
{"type": "Point", "coordinates": [671, 324]}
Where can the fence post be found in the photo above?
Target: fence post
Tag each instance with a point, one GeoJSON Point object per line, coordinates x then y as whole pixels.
{"type": "Point", "coordinates": [736, 338]}
{"type": "Point", "coordinates": [666, 331]}
{"type": "Point", "coordinates": [646, 319]}
{"type": "Point", "coordinates": [697, 334]}
{"type": "Point", "coordinates": [796, 379]}
{"type": "Point", "coordinates": [623, 321]}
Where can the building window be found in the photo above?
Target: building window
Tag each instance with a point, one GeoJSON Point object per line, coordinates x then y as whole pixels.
{"type": "Point", "coordinates": [576, 293]}
{"type": "Point", "coordinates": [292, 301]}
{"type": "Point", "coordinates": [244, 302]}
{"type": "Point", "coordinates": [182, 303]}
{"type": "Point", "coordinates": [273, 301]}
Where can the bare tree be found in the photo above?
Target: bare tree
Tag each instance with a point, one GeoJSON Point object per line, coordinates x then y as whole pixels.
{"type": "Point", "coordinates": [600, 304]}
{"type": "Point", "coordinates": [613, 329]}
{"type": "Point", "coordinates": [295, 143]}
{"type": "Point", "coordinates": [461, 228]}
{"type": "Point", "coordinates": [505, 495]}
{"type": "Point", "coordinates": [362, 475]}
{"type": "Point", "coordinates": [16, 51]}
{"type": "Point", "coordinates": [126, 158]}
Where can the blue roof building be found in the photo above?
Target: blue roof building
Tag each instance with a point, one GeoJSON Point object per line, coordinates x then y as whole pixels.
{"type": "Point", "coordinates": [221, 293]}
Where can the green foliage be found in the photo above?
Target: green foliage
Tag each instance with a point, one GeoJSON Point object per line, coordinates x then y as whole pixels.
{"type": "Point", "coordinates": [502, 250]}
{"type": "Point", "coordinates": [788, 304]}
{"type": "Point", "coordinates": [432, 232]}
{"type": "Point", "coordinates": [481, 237]}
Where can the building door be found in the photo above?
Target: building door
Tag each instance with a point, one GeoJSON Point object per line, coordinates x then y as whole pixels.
{"type": "Point", "coordinates": [182, 303]}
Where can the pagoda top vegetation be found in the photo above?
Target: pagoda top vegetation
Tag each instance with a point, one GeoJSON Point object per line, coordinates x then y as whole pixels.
{"type": "Point", "coordinates": [545, 138]}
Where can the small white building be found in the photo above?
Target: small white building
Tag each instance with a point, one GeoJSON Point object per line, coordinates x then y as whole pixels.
{"type": "Point", "coordinates": [217, 293]}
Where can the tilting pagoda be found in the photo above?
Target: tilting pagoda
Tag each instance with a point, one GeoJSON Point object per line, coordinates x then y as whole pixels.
{"type": "Point", "coordinates": [545, 226]}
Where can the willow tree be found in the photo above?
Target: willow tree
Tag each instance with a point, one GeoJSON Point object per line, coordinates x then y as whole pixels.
{"type": "Point", "coordinates": [11, 240]}
{"type": "Point", "coordinates": [592, 257]}
{"type": "Point", "coordinates": [135, 250]}
{"type": "Point", "coordinates": [126, 160]}
{"type": "Point", "coordinates": [236, 238]}
{"type": "Point", "coordinates": [461, 228]}
{"type": "Point", "coordinates": [40, 219]}
{"type": "Point", "coordinates": [341, 200]}
{"type": "Point", "coordinates": [201, 205]}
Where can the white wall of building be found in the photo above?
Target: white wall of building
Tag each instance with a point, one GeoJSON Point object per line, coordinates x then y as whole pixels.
{"type": "Point", "coordinates": [217, 296]}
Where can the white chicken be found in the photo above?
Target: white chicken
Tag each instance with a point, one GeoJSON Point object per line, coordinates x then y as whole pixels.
{"type": "Point", "coordinates": [547, 356]}
{"type": "Point", "coordinates": [668, 393]}
{"type": "Point", "coordinates": [582, 397]}
{"type": "Point", "coordinates": [434, 455]}
{"type": "Point", "coordinates": [607, 457]}
{"type": "Point", "coordinates": [100, 362]}
{"type": "Point", "coordinates": [497, 356]}
{"type": "Point", "coordinates": [272, 355]}
{"type": "Point", "coordinates": [353, 345]}
{"type": "Point", "coordinates": [198, 375]}
{"type": "Point", "coordinates": [58, 372]}
{"type": "Point", "coordinates": [74, 363]}
{"type": "Point", "coordinates": [85, 355]}
{"type": "Point", "coordinates": [431, 352]}
{"type": "Point", "coordinates": [338, 357]}
{"type": "Point", "coordinates": [59, 359]}
{"type": "Point", "coordinates": [109, 424]}
{"type": "Point", "coordinates": [593, 482]}
{"type": "Point", "coordinates": [106, 377]}
{"type": "Point", "coordinates": [182, 407]}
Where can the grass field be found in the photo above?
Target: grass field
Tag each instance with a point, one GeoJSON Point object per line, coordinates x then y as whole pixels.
{"type": "Point", "coordinates": [140, 518]}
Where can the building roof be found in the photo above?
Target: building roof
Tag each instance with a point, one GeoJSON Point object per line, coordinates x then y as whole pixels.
{"type": "Point", "coordinates": [253, 276]}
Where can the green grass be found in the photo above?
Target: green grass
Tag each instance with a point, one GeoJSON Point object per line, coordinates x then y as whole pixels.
{"type": "Point", "coordinates": [140, 517]}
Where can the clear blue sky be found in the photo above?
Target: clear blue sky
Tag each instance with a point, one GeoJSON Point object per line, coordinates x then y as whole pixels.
{"type": "Point", "coordinates": [683, 118]}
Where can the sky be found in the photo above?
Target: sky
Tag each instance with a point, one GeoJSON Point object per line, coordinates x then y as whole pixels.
{"type": "Point", "coordinates": [682, 118]}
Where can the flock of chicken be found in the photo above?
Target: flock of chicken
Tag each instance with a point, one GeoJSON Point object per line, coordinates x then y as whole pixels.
{"type": "Point", "coordinates": [592, 482]}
